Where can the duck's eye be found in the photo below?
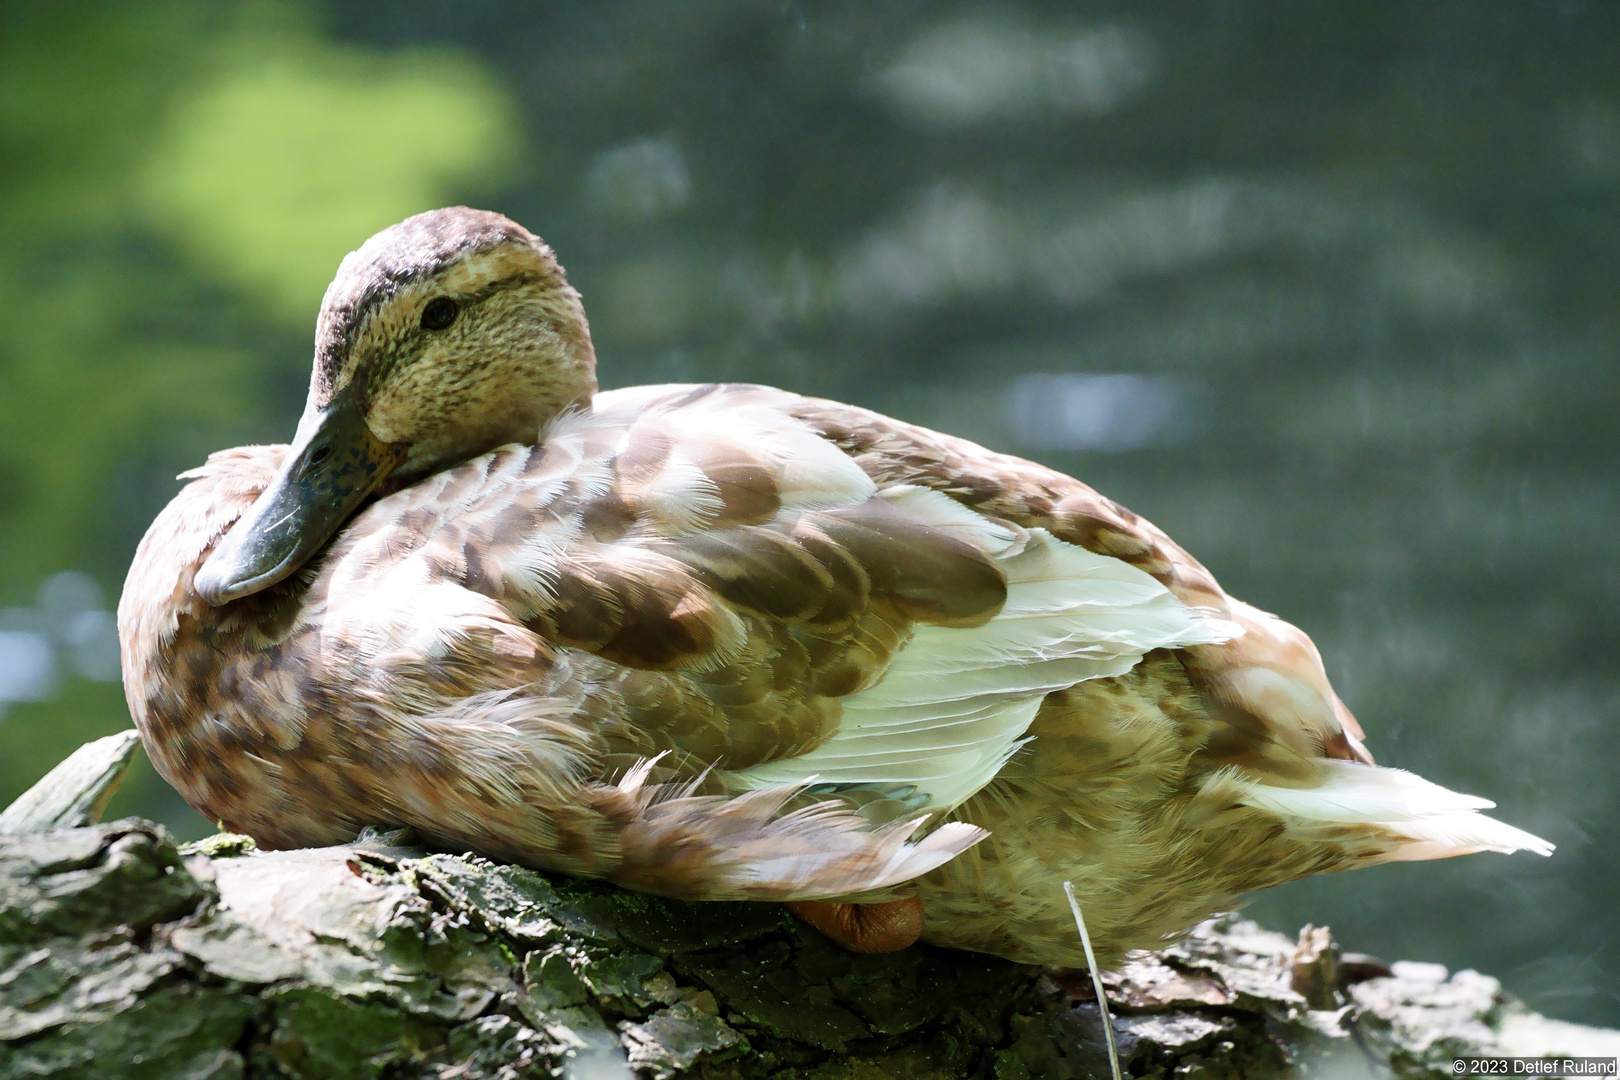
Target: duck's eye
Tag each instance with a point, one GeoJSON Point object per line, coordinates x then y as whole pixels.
{"type": "Point", "coordinates": [439, 313]}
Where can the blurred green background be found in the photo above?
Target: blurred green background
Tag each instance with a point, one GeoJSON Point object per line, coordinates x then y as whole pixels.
{"type": "Point", "coordinates": [1326, 290]}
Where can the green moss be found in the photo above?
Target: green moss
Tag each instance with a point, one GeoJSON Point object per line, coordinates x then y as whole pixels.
{"type": "Point", "coordinates": [222, 845]}
{"type": "Point", "coordinates": [319, 1036]}
{"type": "Point", "coordinates": [552, 981]}
{"type": "Point", "coordinates": [174, 1031]}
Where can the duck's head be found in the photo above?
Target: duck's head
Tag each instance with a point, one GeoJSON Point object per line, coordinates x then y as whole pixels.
{"type": "Point", "coordinates": [443, 337]}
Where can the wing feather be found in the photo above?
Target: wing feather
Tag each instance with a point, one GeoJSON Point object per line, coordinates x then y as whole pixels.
{"type": "Point", "coordinates": [956, 702]}
{"type": "Point", "coordinates": [1430, 821]}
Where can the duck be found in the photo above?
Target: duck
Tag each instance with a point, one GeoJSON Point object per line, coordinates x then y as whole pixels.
{"type": "Point", "coordinates": [727, 642]}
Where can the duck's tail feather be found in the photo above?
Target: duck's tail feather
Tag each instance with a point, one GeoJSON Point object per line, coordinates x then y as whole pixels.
{"type": "Point", "coordinates": [1426, 820]}
{"type": "Point", "coordinates": [714, 847]}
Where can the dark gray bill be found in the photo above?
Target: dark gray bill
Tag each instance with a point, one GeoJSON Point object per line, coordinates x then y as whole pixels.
{"type": "Point", "coordinates": [335, 462]}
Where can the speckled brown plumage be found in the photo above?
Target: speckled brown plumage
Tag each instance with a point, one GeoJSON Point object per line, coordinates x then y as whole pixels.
{"type": "Point", "coordinates": [725, 641]}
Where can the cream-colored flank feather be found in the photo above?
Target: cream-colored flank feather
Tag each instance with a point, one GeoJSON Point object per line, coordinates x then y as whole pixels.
{"type": "Point", "coordinates": [726, 641]}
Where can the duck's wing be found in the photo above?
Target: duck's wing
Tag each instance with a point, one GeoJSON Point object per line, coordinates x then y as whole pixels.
{"type": "Point", "coordinates": [774, 612]}
{"type": "Point", "coordinates": [1264, 683]}
{"type": "Point", "coordinates": [954, 704]}
{"type": "Point", "coordinates": [1279, 738]}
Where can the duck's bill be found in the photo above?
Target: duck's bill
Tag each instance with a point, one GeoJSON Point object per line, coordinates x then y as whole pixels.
{"type": "Point", "coordinates": [334, 463]}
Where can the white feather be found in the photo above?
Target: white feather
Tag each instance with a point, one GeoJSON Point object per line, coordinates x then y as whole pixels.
{"type": "Point", "coordinates": [810, 472]}
{"type": "Point", "coordinates": [799, 874]}
{"type": "Point", "coordinates": [1437, 820]}
{"type": "Point", "coordinates": [680, 496]}
{"type": "Point", "coordinates": [630, 401]}
{"type": "Point", "coordinates": [955, 703]}
{"type": "Point", "coordinates": [816, 852]}
{"type": "Point", "coordinates": [1462, 834]}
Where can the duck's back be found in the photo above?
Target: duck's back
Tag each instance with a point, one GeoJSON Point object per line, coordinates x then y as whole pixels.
{"type": "Point", "coordinates": [747, 591]}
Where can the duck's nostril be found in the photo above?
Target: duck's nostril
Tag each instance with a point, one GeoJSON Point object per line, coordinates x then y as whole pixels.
{"type": "Point", "coordinates": [321, 454]}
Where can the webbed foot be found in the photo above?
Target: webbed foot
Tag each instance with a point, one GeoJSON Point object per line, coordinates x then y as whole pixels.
{"type": "Point", "coordinates": [865, 928]}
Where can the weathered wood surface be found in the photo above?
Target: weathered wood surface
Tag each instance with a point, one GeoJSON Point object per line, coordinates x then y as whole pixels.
{"type": "Point", "coordinates": [122, 955]}
{"type": "Point", "coordinates": [76, 791]}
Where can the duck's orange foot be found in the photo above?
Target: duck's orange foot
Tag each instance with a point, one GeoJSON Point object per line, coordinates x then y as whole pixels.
{"type": "Point", "coordinates": [865, 928]}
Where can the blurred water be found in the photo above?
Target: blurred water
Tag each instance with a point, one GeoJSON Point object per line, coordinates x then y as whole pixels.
{"type": "Point", "coordinates": [1101, 412]}
{"type": "Point", "coordinates": [27, 667]}
{"type": "Point", "coordinates": [1326, 291]}
{"type": "Point", "coordinates": [68, 630]}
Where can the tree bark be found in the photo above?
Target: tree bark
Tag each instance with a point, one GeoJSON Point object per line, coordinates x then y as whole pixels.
{"type": "Point", "coordinates": [122, 955]}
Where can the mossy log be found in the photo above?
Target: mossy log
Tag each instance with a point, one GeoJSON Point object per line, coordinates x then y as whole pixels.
{"type": "Point", "coordinates": [123, 955]}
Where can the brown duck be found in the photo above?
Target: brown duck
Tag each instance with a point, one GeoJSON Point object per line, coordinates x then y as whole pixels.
{"type": "Point", "coordinates": [725, 641]}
